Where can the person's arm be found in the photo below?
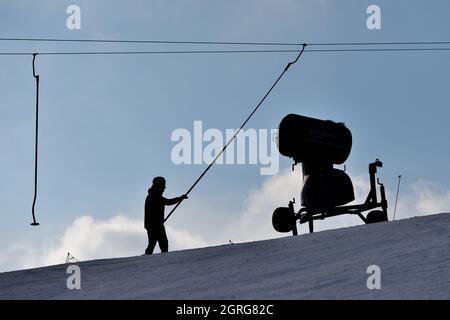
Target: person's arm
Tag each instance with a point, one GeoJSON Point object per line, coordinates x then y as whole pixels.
{"type": "Point", "coordinates": [169, 202]}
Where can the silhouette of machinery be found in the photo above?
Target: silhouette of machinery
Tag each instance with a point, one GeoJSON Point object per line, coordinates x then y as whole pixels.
{"type": "Point", "coordinates": [318, 145]}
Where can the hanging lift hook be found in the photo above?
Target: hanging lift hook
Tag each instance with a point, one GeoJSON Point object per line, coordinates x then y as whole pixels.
{"type": "Point", "coordinates": [34, 223]}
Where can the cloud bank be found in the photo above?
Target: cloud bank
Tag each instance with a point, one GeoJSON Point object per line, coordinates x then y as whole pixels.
{"type": "Point", "coordinates": [87, 238]}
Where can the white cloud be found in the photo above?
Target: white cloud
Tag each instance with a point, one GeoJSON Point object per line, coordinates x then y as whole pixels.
{"type": "Point", "coordinates": [422, 198]}
{"type": "Point", "coordinates": [87, 238]}
{"type": "Point", "coordinates": [18, 256]}
{"type": "Point", "coordinates": [255, 222]}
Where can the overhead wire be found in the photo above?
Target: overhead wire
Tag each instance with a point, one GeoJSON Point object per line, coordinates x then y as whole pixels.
{"type": "Point", "coordinates": [50, 53]}
{"type": "Point", "coordinates": [223, 42]}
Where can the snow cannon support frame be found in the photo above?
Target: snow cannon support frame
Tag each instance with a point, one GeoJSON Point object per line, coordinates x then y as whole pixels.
{"type": "Point", "coordinates": [309, 214]}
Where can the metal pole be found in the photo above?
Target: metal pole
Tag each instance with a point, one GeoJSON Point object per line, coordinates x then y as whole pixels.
{"type": "Point", "coordinates": [396, 199]}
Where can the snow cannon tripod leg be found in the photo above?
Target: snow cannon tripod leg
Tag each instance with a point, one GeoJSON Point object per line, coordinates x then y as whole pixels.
{"type": "Point", "coordinates": [383, 201]}
{"type": "Point", "coordinates": [294, 226]}
{"type": "Point", "coordinates": [311, 225]}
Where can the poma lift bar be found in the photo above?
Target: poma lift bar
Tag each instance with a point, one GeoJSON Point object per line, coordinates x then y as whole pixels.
{"type": "Point", "coordinates": [318, 145]}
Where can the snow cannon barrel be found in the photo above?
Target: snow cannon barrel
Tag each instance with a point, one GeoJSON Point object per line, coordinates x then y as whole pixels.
{"type": "Point", "coordinates": [307, 139]}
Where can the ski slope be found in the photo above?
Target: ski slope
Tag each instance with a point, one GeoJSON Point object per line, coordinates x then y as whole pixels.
{"type": "Point", "coordinates": [413, 256]}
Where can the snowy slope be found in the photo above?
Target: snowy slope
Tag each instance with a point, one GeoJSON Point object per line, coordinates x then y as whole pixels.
{"type": "Point", "coordinates": [413, 254]}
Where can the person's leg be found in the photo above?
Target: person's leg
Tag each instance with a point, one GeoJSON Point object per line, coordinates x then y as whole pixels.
{"type": "Point", "coordinates": [163, 242]}
{"type": "Point", "coordinates": [152, 239]}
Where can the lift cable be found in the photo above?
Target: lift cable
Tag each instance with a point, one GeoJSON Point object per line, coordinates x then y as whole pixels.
{"type": "Point", "coordinates": [241, 127]}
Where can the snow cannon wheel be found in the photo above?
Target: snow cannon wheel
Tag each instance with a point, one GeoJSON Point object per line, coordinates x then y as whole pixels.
{"type": "Point", "coordinates": [283, 219]}
{"type": "Point", "coordinates": [376, 216]}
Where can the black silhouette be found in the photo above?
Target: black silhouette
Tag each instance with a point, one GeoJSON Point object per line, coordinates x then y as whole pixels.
{"type": "Point", "coordinates": [36, 76]}
{"type": "Point", "coordinates": [319, 144]}
{"type": "Point", "coordinates": [154, 215]}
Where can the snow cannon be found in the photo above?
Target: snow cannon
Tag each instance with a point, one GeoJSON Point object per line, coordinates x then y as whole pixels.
{"type": "Point", "coordinates": [319, 145]}
{"type": "Point", "coordinates": [312, 140]}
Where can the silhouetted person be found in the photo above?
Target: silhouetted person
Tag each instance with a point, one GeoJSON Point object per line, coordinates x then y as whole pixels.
{"type": "Point", "coordinates": [154, 215]}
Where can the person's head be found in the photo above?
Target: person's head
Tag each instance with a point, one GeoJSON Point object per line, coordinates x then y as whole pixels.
{"type": "Point", "coordinates": [159, 184]}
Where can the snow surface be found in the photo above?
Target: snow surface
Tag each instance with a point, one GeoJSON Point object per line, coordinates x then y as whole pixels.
{"type": "Point", "coordinates": [413, 254]}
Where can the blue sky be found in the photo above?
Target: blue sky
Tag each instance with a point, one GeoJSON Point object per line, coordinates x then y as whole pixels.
{"type": "Point", "coordinates": [106, 121]}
